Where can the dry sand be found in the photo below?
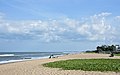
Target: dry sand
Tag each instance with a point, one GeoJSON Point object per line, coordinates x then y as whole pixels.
{"type": "Point", "coordinates": [34, 67]}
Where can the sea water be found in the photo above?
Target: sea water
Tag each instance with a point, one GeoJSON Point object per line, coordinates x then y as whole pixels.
{"type": "Point", "coordinates": [8, 57]}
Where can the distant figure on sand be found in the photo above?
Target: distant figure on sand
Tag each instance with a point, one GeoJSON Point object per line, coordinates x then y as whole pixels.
{"type": "Point", "coordinates": [112, 55]}
{"type": "Point", "coordinates": [50, 56]}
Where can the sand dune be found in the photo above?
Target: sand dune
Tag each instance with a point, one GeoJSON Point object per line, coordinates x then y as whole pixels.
{"type": "Point", "coordinates": [34, 67]}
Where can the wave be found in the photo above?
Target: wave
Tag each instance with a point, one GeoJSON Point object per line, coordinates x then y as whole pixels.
{"type": "Point", "coordinates": [10, 61]}
{"type": "Point", "coordinates": [6, 55]}
{"type": "Point", "coordinates": [33, 58]}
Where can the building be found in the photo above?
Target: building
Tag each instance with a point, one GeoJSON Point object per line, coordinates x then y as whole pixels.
{"type": "Point", "coordinates": [117, 48]}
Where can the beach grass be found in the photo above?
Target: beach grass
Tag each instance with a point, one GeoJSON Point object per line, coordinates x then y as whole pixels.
{"type": "Point", "coordinates": [117, 54]}
{"type": "Point", "coordinates": [87, 64]}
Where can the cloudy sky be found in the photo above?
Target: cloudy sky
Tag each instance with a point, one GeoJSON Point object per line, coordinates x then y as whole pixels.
{"type": "Point", "coordinates": [58, 25]}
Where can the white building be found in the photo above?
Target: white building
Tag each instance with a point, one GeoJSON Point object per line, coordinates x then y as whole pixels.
{"type": "Point", "coordinates": [117, 48]}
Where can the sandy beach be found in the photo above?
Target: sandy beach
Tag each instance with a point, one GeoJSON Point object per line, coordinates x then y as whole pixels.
{"type": "Point", "coordinates": [34, 67]}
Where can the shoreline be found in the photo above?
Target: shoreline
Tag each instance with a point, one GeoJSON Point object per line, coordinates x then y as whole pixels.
{"type": "Point", "coordinates": [27, 59]}
{"type": "Point", "coordinates": [32, 59]}
{"type": "Point", "coordinates": [21, 60]}
{"type": "Point", "coordinates": [34, 67]}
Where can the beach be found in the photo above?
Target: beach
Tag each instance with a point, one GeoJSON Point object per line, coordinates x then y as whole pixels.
{"type": "Point", "coordinates": [35, 67]}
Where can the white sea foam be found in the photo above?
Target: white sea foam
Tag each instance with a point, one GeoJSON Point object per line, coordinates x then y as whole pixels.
{"type": "Point", "coordinates": [24, 59]}
{"type": "Point", "coordinates": [33, 58]}
{"type": "Point", "coordinates": [10, 61]}
{"type": "Point", "coordinates": [5, 55]}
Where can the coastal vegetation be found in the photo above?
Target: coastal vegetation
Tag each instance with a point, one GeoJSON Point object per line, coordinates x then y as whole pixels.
{"type": "Point", "coordinates": [87, 64]}
{"type": "Point", "coordinates": [117, 54]}
{"type": "Point", "coordinates": [106, 49]}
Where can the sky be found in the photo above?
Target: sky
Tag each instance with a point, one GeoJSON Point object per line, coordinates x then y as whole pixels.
{"type": "Point", "coordinates": [58, 25]}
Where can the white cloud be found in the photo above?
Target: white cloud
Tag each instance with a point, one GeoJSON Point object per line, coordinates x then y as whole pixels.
{"type": "Point", "coordinates": [104, 14]}
{"type": "Point", "coordinates": [71, 22]}
{"type": "Point", "coordinates": [84, 30]}
{"type": "Point", "coordinates": [98, 28]}
{"type": "Point", "coordinates": [101, 28]}
{"type": "Point", "coordinates": [117, 18]}
{"type": "Point", "coordinates": [95, 28]}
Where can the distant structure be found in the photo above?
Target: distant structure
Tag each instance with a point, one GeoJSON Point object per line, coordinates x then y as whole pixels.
{"type": "Point", "coordinates": [108, 49]}
{"type": "Point", "coordinates": [117, 48]}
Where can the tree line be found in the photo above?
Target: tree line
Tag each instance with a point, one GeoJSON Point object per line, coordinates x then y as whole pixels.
{"type": "Point", "coordinates": [111, 48]}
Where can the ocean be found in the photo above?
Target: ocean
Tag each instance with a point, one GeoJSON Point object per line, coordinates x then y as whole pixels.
{"type": "Point", "coordinates": [8, 57]}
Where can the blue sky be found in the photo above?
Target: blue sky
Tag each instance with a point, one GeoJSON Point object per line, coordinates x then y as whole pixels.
{"type": "Point", "coordinates": [58, 25]}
